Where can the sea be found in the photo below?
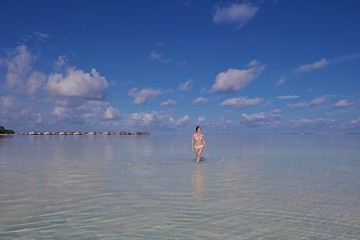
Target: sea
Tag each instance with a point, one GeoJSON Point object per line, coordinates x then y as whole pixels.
{"type": "Point", "coordinates": [247, 186]}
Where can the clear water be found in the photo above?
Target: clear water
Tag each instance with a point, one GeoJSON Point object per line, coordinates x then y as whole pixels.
{"type": "Point", "coordinates": [149, 187]}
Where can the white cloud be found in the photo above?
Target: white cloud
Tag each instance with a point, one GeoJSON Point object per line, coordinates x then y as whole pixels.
{"type": "Point", "coordinates": [145, 119]}
{"type": "Point", "coordinates": [60, 111]}
{"type": "Point", "coordinates": [281, 81]}
{"type": "Point", "coordinates": [267, 104]}
{"type": "Point", "coordinates": [7, 102]}
{"type": "Point", "coordinates": [36, 81]}
{"type": "Point", "coordinates": [254, 117]}
{"type": "Point", "coordinates": [169, 102]}
{"type": "Point", "coordinates": [144, 95]}
{"type": "Point", "coordinates": [185, 85]}
{"type": "Point", "coordinates": [77, 83]}
{"type": "Point", "coordinates": [18, 67]}
{"type": "Point", "coordinates": [201, 120]}
{"type": "Point", "coordinates": [241, 102]}
{"type": "Point", "coordinates": [315, 123]}
{"type": "Point", "coordinates": [182, 121]}
{"type": "Point", "coordinates": [89, 110]}
{"type": "Point", "coordinates": [234, 80]}
{"type": "Point", "coordinates": [313, 66]}
{"type": "Point", "coordinates": [28, 115]}
{"type": "Point", "coordinates": [155, 119]}
{"type": "Point", "coordinates": [66, 116]}
{"type": "Point", "coordinates": [238, 14]}
{"type": "Point", "coordinates": [111, 113]}
{"type": "Point", "coordinates": [60, 63]}
{"type": "Point", "coordinates": [314, 102]}
{"type": "Point", "coordinates": [276, 111]}
{"type": "Point", "coordinates": [287, 97]}
{"type": "Point", "coordinates": [42, 37]}
{"type": "Point", "coordinates": [343, 103]}
{"type": "Point", "coordinates": [73, 95]}
{"type": "Point", "coordinates": [200, 100]}
{"type": "Point", "coordinates": [14, 112]}
{"type": "Point", "coordinates": [156, 56]}
{"type": "Point", "coordinates": [19, 75]}
{"type": "Point", "coordinates": [259, 117]}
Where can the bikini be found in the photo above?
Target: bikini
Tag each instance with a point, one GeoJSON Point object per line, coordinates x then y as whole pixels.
{"type": "Point", "coordinates": [198, 146]}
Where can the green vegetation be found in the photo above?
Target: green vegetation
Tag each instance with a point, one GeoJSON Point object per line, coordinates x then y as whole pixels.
{"type": "Point", "coordinates": [5, 131]}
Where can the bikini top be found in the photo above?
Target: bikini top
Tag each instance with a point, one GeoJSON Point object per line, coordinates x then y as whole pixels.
{"type": "Point", "coordinates": [198, 139]}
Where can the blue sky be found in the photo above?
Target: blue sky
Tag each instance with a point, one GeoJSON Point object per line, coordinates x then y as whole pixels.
{"type": "Point", "coordinates": [240, 66]}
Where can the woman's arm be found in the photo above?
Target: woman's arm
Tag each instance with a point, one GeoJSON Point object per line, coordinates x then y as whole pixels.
{"type": "Point", "coordinates": [192, 143]}
{"type": "Point", "coordinates": [204, 142]}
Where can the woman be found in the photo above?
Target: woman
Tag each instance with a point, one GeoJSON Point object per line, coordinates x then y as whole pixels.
{"type": "Point", "coordinates": [198, 143]}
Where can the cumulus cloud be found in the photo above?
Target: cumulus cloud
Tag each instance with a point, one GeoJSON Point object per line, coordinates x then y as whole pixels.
{"type": "Point", "coordinates": [144, 95]}
{"type": "Point", "coordinates": [234, 80]}
{"type": "Point", "coordinates": [314, 102]}
{"type": "Point", "coordinates": [343, 103]}
{"type": "Point", "coordinates": [21, 77]}
{"type": "Point", "coordinates": [111, 113]}
{"type": "Point", "coordinates": [76, 83]}
{"type": "Point", "coordinates": [238, 14]}
{"type": "Point", "coordinates": [155, 119]}
{"type": "Point", "coordinates": [241, 102]}
{"type": "Point", "coordinates": [313, 66]}
{"type": "Point", "coordinates": [257, 116]}
{"type": "Point", "coordinates": [18, 67]}
{"type": "Point", "coordinates": [90, 110]}
{"type": "Point", "coordinates": [144, 119]}
{"type": "Point", "coordinates": [182, 121]}
{"type": "Point", "coordinates": [19, 74]}
{"type": "Point", "coordinates": [68, 95]}
{"type": "Point", "coordinates": [28, 115]}
{"type": "Point", "coordinates": [66, 115]}
{"type": "Point", "coordinates": [169, 102]}
{"type": "Point", "coordinates": [36, 82]}
{"type": "Point", "coordinates": [257, 119]}
{"type": "Point", "coordinates": [185, 85]}
{"type": "Point", "coordinates": [13, 111]}
{"type": "Point", "coordinates": [287, 97]}
{"type": "Point", "coordinates": [200, 100]}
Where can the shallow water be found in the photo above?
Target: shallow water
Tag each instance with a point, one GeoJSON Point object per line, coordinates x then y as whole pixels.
{"type": "Point", "coordinates": [149, 187]}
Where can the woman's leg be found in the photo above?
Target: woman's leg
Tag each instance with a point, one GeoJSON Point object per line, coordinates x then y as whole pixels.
{"type": "Point", "coordinates": [198, 154]}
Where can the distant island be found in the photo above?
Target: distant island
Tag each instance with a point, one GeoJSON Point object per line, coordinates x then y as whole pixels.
{"type": "Point", "coordinates": [122, 133]}
{"type": "Point", "coordinates": [3, 130]}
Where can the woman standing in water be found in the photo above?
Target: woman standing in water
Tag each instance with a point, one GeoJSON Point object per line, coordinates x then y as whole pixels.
{"type": "Point", "coordinates": [198, 143]}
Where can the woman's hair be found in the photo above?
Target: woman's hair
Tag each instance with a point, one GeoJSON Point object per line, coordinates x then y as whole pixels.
{"type": "Point", "coordinates": [196, 129]}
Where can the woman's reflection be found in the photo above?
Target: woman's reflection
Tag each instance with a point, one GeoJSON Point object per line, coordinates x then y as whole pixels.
{"type": "Point", "coordinates": [198, 181]}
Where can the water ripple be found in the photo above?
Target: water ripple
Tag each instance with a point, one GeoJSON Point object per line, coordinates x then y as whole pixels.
{"type": "Point", "coordinates": [103, 190]}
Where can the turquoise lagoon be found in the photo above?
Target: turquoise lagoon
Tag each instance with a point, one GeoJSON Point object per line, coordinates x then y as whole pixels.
{"type": "Point", "coordinates": [149, 187]}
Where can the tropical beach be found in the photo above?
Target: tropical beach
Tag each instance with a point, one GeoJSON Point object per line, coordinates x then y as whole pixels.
{"type": "Point", "coordinates": [180, 119]}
